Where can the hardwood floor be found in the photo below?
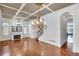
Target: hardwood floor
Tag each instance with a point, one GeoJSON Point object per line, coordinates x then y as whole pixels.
{"type": "Point", "coordinates": [30, 47]}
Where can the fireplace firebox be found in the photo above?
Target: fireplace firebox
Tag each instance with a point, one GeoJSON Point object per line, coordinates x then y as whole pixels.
{"type": "Point", "coordinates": [17, 36]}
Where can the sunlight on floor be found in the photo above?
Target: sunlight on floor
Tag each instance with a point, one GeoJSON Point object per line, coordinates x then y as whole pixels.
{"type": "Point", "coordinates": [70, 38]}
{"type": "Point", "coordinates": [6, 51]}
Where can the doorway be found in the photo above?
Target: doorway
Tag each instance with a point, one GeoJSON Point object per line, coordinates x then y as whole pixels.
{"type": "Point", "coordinates": [70, 31]}
{"type": "Point", "coordinates": [66, 24]}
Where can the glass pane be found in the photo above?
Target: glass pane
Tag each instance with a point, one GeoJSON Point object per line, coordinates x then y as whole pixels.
{"type": "Point", "coordinates": [25, 30]}
{"type": "Point", "coordinates": [5, 29]}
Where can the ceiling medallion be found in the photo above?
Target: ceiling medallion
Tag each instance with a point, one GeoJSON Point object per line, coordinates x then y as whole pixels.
{"type": "Point", "coordinates": [39, 4]}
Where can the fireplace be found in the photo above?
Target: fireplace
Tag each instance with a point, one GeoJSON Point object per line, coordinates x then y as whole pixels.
{"type": "Point", "coordinates": [17, 36]}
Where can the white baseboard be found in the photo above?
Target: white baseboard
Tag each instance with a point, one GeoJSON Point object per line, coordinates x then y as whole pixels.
{"type": "Point", "coordinates": [4, 39]}
{"type": "Point", "coordinates": [58, 44]}
{"type": "Point", "coordinates": [76, 51]}
{"type": "Point", "coordinates": [55, 44]}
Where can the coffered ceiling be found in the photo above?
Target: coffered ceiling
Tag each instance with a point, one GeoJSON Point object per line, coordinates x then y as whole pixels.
{"type": "Point", "coordinates": [28, 11]}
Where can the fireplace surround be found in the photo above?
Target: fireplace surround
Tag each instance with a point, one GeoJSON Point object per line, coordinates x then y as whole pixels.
{"type": "Point", "coordinates": [16, 35]}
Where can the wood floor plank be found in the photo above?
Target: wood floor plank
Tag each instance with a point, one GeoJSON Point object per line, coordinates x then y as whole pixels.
{"type": "Point", "coordinates": [30, 47]}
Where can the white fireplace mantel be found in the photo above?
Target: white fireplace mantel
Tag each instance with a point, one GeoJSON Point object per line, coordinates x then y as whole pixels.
{"type": "Point", "coordinates": [16, 33]}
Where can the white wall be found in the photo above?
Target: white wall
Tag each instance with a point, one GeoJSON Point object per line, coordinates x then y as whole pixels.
{"type": "Point", "coordinates": [25, 24]}
{"type": "Point", "coordinates": [11, 22]}
{"type": "Point", "coordinates": [76, 36]}
{"type": "Point", "coordinates": [63, 31]}
{"type": "Point", "coordinates": [0, 21]}
{"type": "Point", "coordinates": [32, 31]}
{"type": "Point", "coordinates": [54, 33]}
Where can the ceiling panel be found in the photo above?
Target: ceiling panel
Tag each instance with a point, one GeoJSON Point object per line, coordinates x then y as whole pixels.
{"type": "Point", "coordinates": [15, 5]}
{"type": "Point", "coordinates": [31, 7]}
{"type": "Point", "coordinates": [22, 15]}
{"type": "Point", "coordinates": [7, 16]}
{"type": "Point", "coordinates": [28, 19]}
{"type": "Point", "coordinates": [32, 17]}
{"type": "Point", "coordinates": [8, 11]}
{"type": "Point", "coordinates": [57, 6]}
{"type": "Point", "coordinates": [43, 12]}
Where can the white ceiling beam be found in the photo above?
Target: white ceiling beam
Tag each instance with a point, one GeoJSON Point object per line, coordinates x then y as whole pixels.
{"type": "Point", "coordinates": [0, 13]}
{"type": "Point", "coordinates": [14, 8]}
{"type": "Point", "coordinates": [49, 9]}
{"type": "Point", "coordinates": [11, 15]}
{"type": "Point", "coordinates": [21, 7]}
{"type": "Point", "coordinates": [27, 12]}
{"type": "Point", "coordinates": [8, 7]}
{"type": "Point", "coordinates": [37, 11]}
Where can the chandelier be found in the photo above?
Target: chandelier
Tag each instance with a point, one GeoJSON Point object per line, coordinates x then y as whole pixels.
{"type": "Point", "coordinates": [39, 23]}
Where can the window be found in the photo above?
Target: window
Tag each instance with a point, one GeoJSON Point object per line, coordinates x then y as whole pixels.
{"type": "Point", "coordinates": [5, 29]}
{"type": "Point", "coordinates": [70, 28]}
{"type": "Point", "coordinates": [25, 29]}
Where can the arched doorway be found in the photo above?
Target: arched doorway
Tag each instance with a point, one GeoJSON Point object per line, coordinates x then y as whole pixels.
{"type": "Point", "coordinates": [66, 29]}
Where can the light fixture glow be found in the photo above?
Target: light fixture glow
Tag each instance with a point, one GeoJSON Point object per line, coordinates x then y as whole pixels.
{"type": "Point", "coordinates": [41, 20]}
{"type": "Point", "coordinates": [33, 23]}
{"type": "Point", "coordinates": [40, 23]}
{"type": "Point", "coordinates": [37, 22]}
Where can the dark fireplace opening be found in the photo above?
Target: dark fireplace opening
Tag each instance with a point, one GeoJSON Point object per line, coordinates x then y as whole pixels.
{"type": "Point", "coordinates": [17, 36]}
